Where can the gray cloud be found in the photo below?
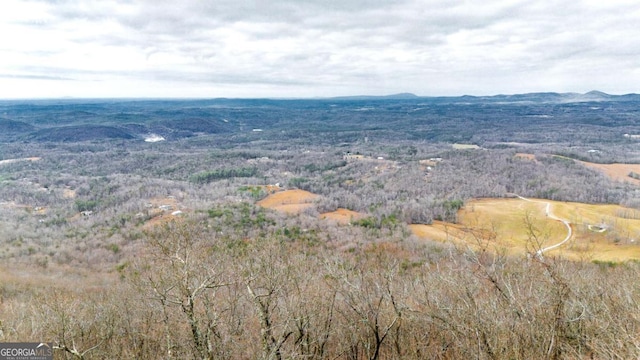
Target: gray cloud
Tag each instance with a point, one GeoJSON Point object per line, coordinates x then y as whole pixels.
{"type": "Point", "coordinates": [354, 46]}
{"type": "Point", "coordinates": [33, 77]}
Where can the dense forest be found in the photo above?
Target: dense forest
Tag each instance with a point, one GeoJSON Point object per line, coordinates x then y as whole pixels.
{"type": "Point", "coordinates": [131, 229]}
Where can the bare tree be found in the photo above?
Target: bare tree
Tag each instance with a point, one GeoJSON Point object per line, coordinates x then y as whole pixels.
{"type": "Point", "coordinates": [182, 271]}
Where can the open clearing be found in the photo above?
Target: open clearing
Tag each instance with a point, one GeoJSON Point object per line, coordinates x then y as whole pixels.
{"type": "Point", "coordinates": [616, 171]}
{"type": "Point", "coordinates": [342, 216]}
{"type": "Point", "coordinates": [296, 201]}
{"type": "Point", "coordinates": [289, 201]}
{"type": "Point", "coordinates": [515, 226]}
{"type": "Point", "coordinates": [465, 146]}
{"type": "Point", "coordinates": [11, 161]}
{"type": "Point", "coordinates": [161, 210]}
{"type": "Point", "coordinates": [600, 232]}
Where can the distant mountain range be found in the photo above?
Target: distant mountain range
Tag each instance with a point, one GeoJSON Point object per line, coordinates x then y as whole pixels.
{"type": "Point", "coordinates": [538, 97]}
{"type": "Point", "coordinates": [401, 96]}
{"type": "Point", "coordinates": [558, 97]}
{"type": "Point", "coordinates": [534, 97]}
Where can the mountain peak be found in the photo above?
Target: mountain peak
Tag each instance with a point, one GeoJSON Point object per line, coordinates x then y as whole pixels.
{"type": "Point", "coordinates": [402, 96]}
{"type": "Point", "coordinates": [597, 93]}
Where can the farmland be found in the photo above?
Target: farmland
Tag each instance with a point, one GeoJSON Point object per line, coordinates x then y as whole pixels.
{"type": "Point", "coordinates": [616, 172]}
{"type": "Point", "coordinates": [600, 232]}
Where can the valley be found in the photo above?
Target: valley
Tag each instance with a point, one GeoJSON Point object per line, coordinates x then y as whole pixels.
{"type": "Point", "coordinates": [175, 229]}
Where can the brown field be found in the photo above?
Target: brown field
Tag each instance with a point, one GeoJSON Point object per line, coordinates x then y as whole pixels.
{"type": "Point", "coordinates": [617, 172]}
{"type": "Point", "coordinates": [289, 201]}
{"type": "Point", "coordinates": [500, 225]}
{"type": "Point", "coordinates": [342, 216]}
{"type": "Point", "coordinates": [296, 201]}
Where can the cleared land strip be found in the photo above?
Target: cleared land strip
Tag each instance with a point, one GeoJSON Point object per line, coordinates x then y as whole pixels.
{"type": "Point", "coordinates": [11, 161]}
{"type": "Point", "coordinates": [549, 214]}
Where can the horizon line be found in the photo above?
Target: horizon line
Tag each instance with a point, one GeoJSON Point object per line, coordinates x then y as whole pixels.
{"type": "Point", "coordinates": [406, 95]}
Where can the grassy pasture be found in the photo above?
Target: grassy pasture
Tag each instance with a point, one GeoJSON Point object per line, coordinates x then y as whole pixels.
{"type": "Point", "coordinates": [600, 232]}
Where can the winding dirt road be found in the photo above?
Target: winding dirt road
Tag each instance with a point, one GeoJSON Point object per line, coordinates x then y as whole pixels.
{"type": "Point", "coordinates": [550, 215]}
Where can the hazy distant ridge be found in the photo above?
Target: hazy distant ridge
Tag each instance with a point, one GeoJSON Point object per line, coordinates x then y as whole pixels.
{"type": "Point", "coordinates": [400, 96]}
{"type": "Point", "coordinates": [541, 97]}
{"type": "Point", "coordinates": [449, 119]}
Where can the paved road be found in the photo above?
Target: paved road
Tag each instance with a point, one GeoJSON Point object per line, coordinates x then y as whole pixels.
{"type": "Point", "coordinates": [553, 217]}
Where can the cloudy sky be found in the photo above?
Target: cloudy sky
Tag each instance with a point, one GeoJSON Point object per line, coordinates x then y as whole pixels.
{"type": "Point", "coordinates": [316, 48]}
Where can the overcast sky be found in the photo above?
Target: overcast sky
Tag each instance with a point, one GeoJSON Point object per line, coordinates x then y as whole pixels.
{"type": "Point", "coordinates": [316, 48]}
